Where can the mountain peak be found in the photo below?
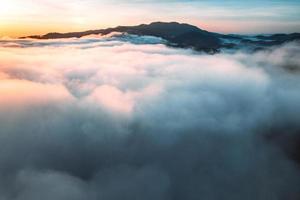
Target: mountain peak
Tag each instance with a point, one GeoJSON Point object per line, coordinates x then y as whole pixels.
{"type": "Point", "coordinates": [154, 27]}
{"type": "Point", "coordinates": [185, 36]}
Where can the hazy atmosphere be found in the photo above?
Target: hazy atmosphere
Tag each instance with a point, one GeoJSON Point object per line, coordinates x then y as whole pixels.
{"type": "Point", "coordinates": [28, 17]}
{"type": "Point", "coordinates": [160, 111]}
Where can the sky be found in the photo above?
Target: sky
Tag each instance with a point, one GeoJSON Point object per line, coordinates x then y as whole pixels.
{"type": "Point", "coordinates": [123, 116]}
{"type": "Point", "coordinates": [26, 17]}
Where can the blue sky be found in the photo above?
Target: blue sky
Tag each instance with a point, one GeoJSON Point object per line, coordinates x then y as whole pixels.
{"type": "Point", "coordinates": [231, 16]}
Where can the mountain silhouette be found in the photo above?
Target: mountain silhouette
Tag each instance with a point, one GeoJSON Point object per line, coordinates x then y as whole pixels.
{"type": "Point", "coordinates": [186, 36]}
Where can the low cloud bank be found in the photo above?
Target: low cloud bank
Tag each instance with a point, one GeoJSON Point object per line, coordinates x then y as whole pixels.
{"type": "Point", "coordinates": [119, 120]}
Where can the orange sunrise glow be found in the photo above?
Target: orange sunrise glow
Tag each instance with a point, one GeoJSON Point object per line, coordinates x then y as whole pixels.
{"type": "Point", "coordinates": [149, 100]}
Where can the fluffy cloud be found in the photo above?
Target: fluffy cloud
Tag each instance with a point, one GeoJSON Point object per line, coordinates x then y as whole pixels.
{"type": "Point", "coordinates": [107, 119]}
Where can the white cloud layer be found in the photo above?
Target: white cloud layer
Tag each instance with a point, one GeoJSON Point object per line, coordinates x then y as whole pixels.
{"type": "Point", "coordinates": [107, 119]}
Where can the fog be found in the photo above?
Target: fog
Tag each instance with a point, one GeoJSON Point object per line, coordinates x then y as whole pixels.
{"type": "Point", "coordinates": [130, 118]}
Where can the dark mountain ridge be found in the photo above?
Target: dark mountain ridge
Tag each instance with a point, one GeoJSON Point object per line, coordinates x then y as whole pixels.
{"type": "Point", "coordinates": [186, 36]}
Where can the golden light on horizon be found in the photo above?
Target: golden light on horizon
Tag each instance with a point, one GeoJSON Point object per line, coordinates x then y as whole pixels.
{"type": "Point", "coordinates": [35, 17]}
{"type": "Point", "coordinates": [10, 11]}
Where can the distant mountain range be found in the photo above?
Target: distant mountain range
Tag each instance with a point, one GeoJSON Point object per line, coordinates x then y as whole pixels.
{"type": "Point", "coordinates": [187, 36]}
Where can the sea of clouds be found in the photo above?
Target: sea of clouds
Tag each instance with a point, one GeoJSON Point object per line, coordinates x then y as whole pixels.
{"type": "Point", "coordinates": [113, 118]}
